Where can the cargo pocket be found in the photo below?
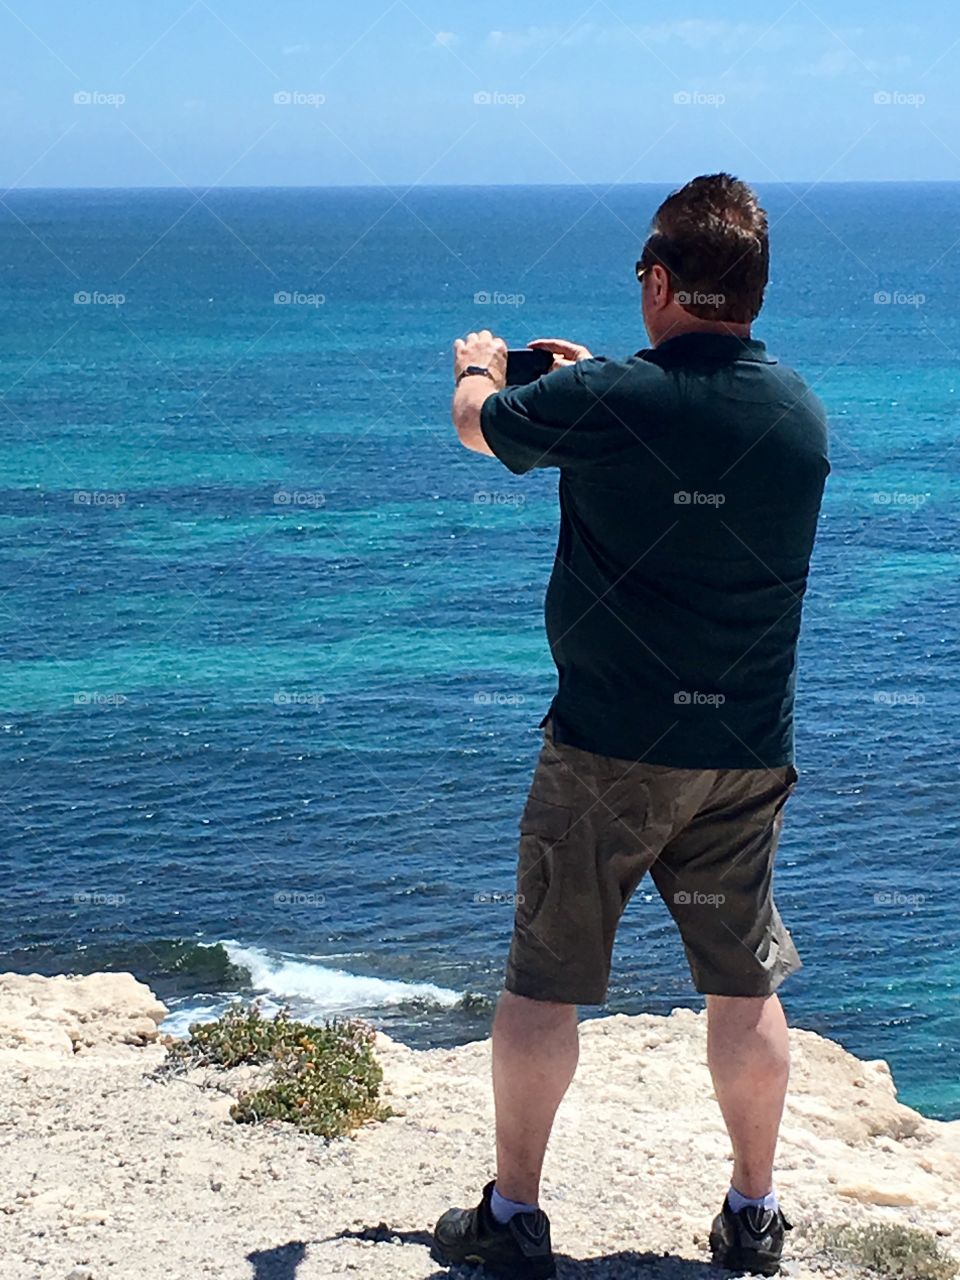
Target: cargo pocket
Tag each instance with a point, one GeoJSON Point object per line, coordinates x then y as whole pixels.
{"type": "Point", "coordinates": [545, 819]}
{"type": "Point", "coordinates": [543, 826]}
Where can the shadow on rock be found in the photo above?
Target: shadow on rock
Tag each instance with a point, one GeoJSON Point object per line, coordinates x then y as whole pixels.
{"type": "Point", "coordinates": [382, 1234]}
{"type": "Point", "coordinates": [278, 1264]}
{"type": "Point", "coordinates": [626, 1265]}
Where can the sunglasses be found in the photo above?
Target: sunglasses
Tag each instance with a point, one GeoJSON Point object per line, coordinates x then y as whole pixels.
{"type": "Point", "coordinates": [662, 254]}
{"type": "Point", "coordinates": [642, 268]}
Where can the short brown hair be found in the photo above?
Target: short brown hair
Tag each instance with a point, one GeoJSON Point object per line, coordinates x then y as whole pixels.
{"type": "Point", "coordinates": [711, 237]}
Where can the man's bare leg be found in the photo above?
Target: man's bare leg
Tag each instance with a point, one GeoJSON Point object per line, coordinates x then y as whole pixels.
{"type": "Point", "coordinates": [535, 1051]}
{"type": "Point", "coordinates": [748, 1052]}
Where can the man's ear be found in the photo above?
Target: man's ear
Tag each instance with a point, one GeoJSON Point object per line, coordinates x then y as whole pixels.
{"type": "Point", "coordinates": [659, 285]}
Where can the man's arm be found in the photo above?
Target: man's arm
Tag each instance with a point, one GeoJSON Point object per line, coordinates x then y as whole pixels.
{"type": "Point", "coordinates": [483, 351]}
{"type": "Point", "coordinates": [468, 401]}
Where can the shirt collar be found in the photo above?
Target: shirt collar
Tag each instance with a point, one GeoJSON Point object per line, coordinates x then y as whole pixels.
{"type": "Point", "coordinates": [692, 348]}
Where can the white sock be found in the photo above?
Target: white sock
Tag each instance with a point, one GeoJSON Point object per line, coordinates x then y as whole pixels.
{"type": "Point", "coordinates": [504, 1209]}
{"type": "Point", "coordinates": [737, 1202]}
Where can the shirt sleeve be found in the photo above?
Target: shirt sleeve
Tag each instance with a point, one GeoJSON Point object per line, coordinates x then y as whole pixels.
{"type": "Point", "coordinates": [557, 421]}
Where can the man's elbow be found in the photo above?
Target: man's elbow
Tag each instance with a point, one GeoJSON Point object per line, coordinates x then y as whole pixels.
{"type": "Point", "coordinates": [470, 433]}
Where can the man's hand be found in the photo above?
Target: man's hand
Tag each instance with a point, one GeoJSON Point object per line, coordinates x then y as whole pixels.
{"type": "Point", "coordinates": [488, 352]}
{"type": "Point", "coordinates": [564, 352]}
{"type": "Point", "coordinates": [485, 350]}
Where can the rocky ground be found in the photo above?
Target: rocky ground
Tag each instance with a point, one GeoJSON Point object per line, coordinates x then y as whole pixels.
{"type": "Point", "coordinates": [108, 1173]}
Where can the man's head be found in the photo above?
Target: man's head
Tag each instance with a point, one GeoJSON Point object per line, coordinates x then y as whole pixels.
{"type": "Point", "coordinates": [706, 262]}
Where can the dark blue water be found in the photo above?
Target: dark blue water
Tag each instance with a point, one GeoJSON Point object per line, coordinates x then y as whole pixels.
{"type": "Point", "coordinates": [272, 654]}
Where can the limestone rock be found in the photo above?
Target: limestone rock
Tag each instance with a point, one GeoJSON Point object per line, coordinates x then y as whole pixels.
{"type": "Point", "coordinates": [895, 1195]}
{"type": "Point", "coordinates": [68, 1015]}
{"type": "Point", "coordinates": [105, 1166]}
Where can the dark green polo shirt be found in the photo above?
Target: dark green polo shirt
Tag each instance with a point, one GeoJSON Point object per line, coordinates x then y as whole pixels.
{"type": "Point", "coordinates": [691, 477]}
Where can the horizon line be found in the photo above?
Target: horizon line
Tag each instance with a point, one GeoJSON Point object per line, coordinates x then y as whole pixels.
{"type": "Point", "coordinates": [469, 186]}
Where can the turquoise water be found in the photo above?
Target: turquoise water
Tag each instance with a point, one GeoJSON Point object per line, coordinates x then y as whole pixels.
{"type": "Point", "coordinates": [272, 646]}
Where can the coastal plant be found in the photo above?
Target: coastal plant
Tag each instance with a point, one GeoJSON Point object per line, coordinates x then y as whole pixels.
{"type": "Point", "coordinates": [323, 1079]}
{"type": "Point", "coordinates": [889, 1250]}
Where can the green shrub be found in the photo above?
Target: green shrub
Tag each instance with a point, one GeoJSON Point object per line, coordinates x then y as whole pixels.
{"type": "Point", "coordinates": [894, 1252]}
{"type": "Point", "coordinates": [324, 1079]}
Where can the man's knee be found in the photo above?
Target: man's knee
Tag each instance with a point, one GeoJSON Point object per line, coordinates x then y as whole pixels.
{"type": "Point", "coordinates": [532, 1016]}
{"type": "Point", "coordinates": [745, 1012]}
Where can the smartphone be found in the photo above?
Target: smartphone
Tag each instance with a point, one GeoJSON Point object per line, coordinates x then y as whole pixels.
{"type": "Point", "coordinates": [527, 365]}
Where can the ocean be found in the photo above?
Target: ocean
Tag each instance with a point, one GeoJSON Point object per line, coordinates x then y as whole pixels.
{"type": "Point", "coordinates": [272, 647]}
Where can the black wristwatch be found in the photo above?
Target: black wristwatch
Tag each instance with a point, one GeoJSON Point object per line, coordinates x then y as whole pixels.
{"type": "Point", "coordinates": [472, 371]}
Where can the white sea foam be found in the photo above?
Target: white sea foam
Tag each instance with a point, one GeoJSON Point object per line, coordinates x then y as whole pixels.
{"type": "Point", "coordinates": [320, 990]}
{"type": "Point", "coordinates": [331, 990]}
{"type": "Point", "coordinates": [314, 989]}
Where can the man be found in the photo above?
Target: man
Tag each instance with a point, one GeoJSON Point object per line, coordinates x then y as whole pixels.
{"type": "Point", "coordinates": [691, 477]}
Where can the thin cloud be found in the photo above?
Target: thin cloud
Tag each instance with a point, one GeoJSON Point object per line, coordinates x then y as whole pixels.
{"type": "Point", "coordinates": [716, 35]}
{"type": "Point", "coordinates": [554, 36]}
{"type": "Point", "coordinates": [838, 62]}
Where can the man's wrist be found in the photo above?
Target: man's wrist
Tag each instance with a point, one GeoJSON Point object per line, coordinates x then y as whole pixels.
{"type": "Point", "coordinates": [470, 395]}
{"type": "Point", "coordinates": [475, 371]}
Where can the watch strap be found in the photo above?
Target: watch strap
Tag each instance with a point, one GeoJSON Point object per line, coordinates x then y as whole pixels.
{"type": "Point", "coordinates": [474, 371]}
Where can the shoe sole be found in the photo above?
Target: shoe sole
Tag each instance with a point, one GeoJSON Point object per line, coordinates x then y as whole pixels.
{"type": "Point", "coordinates": [534, 1270]}
{"type": "Point", "coordinates": [754, 1263]}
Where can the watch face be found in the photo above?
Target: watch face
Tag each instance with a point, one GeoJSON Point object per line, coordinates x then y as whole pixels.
{"type": "Point", "coordinates": [480, 370]}
{"type": "Point", "coordinates": [474, 369]}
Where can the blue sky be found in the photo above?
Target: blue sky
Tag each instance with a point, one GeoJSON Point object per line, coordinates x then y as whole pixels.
{"type": "Point", "coordinates": [247, 93]}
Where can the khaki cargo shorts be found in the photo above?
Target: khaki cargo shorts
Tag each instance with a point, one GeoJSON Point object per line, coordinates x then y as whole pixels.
{"type": "Point", "coordinates": [593, 826]}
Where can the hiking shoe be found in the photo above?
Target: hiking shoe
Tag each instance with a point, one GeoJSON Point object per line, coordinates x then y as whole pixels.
{"type": "Point", "coordinates": [518, 1249]}
{"type": "Point", "coordinates": [751, 1240]}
